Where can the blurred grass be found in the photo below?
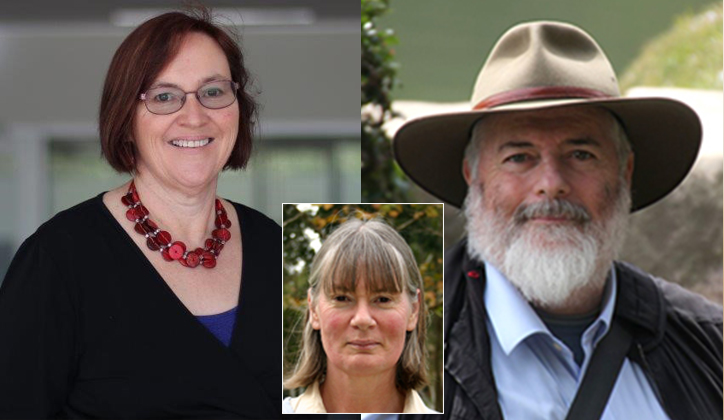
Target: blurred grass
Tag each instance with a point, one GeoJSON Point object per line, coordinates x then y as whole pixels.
{"type": "Point", "coordinates": [689, 55]}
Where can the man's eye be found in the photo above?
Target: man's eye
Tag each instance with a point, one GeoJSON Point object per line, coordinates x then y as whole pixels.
{"type": "Point", "coordinates": [340, 298]}
{"type": "Point", "coordinates": [582, 155]}
{"type": "Point", "coordinates": [517, 158]}
{"type": "Point", "coordinates": [384, 299]}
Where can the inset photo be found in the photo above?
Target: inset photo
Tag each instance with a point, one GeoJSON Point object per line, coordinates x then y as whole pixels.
{"type": "Point", "coordinates": [363, 308]}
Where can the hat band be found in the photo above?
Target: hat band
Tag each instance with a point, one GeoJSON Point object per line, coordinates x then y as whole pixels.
{"type": "Point", "coordinates": [533, 93]}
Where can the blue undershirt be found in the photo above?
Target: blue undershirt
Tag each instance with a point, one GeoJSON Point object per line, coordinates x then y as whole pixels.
{"type": "Point", "coordinates": [221, 325]}
{"type": "Point", "coordinates": [569, 329]}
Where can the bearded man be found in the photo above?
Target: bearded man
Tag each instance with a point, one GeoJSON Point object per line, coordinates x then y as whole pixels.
{"type": "Point", "coordinates": [541, 322]}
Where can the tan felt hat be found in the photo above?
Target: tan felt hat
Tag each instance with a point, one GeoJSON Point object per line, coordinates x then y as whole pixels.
{"type": "Point", "coordinates": [540, 65]}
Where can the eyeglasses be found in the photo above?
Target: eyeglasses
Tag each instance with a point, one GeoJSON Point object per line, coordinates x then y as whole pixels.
{"type": "Point", "coordinates": [167, 100]}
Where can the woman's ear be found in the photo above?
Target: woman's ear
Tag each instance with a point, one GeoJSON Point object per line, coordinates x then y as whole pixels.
{"type": "Point", "coordinates": [416, 305]}
{"type": "Point", "coordinates": [313, 317]}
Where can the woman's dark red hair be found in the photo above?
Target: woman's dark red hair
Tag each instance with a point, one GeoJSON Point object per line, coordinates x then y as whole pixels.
{"type": "Point", "coordinates": [141, 58]}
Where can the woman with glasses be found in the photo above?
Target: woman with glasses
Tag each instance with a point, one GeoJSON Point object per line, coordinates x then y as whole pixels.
{"type": "Point", "coordinates": [158, 298]}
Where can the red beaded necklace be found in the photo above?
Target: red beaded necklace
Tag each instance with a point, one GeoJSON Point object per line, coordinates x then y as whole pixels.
{"type": "Point", "coordinates": [160, 240]}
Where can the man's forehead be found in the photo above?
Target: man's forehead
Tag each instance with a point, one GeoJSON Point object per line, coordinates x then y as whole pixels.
{"type": "Point", "coordinates": [583, 124]}
{"type": "Point", "coordinates": [502, 146]}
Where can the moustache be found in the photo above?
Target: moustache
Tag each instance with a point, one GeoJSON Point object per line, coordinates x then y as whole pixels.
{"type": "Point", "coordinates": [556, 208]}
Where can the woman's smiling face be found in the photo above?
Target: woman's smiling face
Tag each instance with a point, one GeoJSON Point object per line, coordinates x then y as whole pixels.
{"type": "Point", "coordinates": [199, 60]}
{"type": "Point", "coordinates": [363, 332]}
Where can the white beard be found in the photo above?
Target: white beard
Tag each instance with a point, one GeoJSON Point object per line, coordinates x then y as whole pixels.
{"type": "Point", "coordinates": [547, 263]}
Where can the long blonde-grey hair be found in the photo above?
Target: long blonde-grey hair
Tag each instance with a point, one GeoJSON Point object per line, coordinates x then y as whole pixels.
{"type": "Point", "coordinates": [373, 251]}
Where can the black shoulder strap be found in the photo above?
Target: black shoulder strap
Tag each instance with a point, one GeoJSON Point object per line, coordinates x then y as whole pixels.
{"type": "Point", "coordinates": [601, 374]}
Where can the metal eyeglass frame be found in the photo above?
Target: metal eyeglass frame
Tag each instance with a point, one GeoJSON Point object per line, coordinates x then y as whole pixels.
{"type": "Point", "coordinates": [142, 97]}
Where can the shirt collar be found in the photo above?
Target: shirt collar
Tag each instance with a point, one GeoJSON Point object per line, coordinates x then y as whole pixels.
{"type": "Point", "coordinates": [311, 402]}
{"type": "Point", "coordinates": [511, 316]}
{"type": "Point", "coordinates": [513, 319]}
{"type": "Point", "coordinates": [609, 303]}
{"type": "Point", "coordinates": [414, 403]}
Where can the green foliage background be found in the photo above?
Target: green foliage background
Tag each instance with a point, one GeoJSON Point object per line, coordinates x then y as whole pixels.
{"type": "Point", "coordinates": [382, 180]}
{"type": "Point", "coordinates": [688, 55]}
{"type": "Point", "coordinates": [422, 227]}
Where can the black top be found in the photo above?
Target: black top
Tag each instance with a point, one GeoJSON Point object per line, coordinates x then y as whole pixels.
{"type": "Point", "coordinates": [88, 328]}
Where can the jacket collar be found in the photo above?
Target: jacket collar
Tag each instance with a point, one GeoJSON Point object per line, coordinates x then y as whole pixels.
{"type": "Point", "coordinates": [467, 343]}
{"type": "Point", "coordinates": [640, 304]}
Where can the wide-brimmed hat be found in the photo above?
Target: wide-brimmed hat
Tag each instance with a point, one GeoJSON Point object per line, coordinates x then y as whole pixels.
{"type": "Point", "coordinates": [541, 65]}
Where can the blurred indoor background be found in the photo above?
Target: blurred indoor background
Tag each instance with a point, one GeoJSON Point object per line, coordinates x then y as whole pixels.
{"type": "Point", "coordinates": [303, 54]}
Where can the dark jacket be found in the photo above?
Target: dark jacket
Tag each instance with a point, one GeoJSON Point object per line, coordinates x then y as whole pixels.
{"type": "Point", "coordinates": [677, 342]}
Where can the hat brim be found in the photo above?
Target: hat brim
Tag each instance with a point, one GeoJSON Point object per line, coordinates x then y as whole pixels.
{"type": "Point", "coordinates": [665, 136]}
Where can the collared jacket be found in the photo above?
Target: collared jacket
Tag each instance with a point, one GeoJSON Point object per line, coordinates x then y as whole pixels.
{"type": "Point", "coordinates": [677, 342]}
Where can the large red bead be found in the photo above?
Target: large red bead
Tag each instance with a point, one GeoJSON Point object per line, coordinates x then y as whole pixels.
{"type": "Point", "coordinates": [209, 243]}
{"type": "Point", "coordinates": [218, 246]}
{"type": "Point", "coordinates": [192, 259]}
{"type": "Point", "coordinates": [221, 234]}
{"type": "Point", "coordinates": [150, 225]}
{"type": "Point", "coordinates": [139, 228]}
{"type": "Point", "coordinates": [127, 200]}
{"type": "Point", "coordinates": [182, 261]}
{"type": "Point", "coordinates": [209, 260]}
{"type": "Point", "coordinates": [176, 250]}
{"type": "Point", "coordinates": [134, 194]}
{"type": "Point", "coordinates": [166, 255]}
{"type": "Point", "coordinates": [163, 237]}
{"type": "Point", "coordinates": [143, 228]}
{"type": "Point", "coordinates": [131, 214]}
{"type": "Point", "coordinates": [152, 244]}
{"type": "Point", "coordinates": [137, 213]}
{"type": "Point", "coordinates": [222, 221]}
{"type": "Point", "coordinates": [219, 206]}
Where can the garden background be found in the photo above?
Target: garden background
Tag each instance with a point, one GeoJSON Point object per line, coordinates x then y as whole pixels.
{"type": "Point", "coordinates": [305, 228]}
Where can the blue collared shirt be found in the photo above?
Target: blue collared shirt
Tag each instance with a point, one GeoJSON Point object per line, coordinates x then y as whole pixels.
{"type": "Point", "coordinates": [536, 374]}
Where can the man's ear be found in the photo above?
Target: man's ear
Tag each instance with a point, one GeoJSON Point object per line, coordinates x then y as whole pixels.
{"type": "Point", "coordinates": [313, 316]}
{"type": "Point", "coordinates": [466, 172]}
{"type": "Point", "coordinates": [629, 168]}
{"type": "Point", "coordinates": [416, 305]}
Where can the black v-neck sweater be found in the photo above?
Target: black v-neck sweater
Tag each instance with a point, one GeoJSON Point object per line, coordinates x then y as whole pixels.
{"type": "Point", "coordinates": [88, 328]}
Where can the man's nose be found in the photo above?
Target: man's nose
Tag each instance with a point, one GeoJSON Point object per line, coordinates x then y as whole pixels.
{"type": "Point", "coordinates": [362, 318]}
{"type": "Point", "coordinates": [552, 180]}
